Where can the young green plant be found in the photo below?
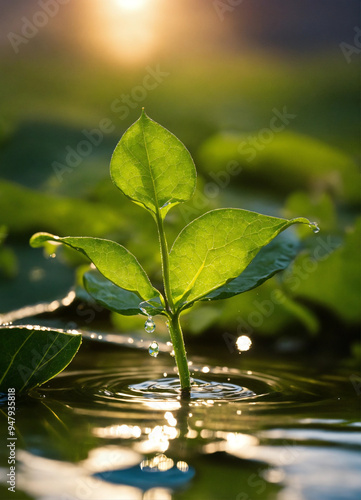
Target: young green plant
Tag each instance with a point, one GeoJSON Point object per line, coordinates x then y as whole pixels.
{"type": "Point", "coordinates": [220, 254]}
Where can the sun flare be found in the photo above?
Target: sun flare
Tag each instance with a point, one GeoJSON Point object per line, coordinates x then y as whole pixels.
{"type": "Point", "coordinates": [131, 4]}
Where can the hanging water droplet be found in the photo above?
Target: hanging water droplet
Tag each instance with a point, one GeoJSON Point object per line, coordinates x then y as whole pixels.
{"type": "Point", "coordinates": [172, 353]}
{"type": "Point", "coordinates": [149, 325]}
{"type": "Point", "coordinates": [142, 307]}
{"type": "Point", "coordinates": [153, 349]}
{"type": "Point", "coordinates": [314, 227]}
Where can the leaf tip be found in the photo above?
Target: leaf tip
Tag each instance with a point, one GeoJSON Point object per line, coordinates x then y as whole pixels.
{"type": "Point", "coordinates": [38, 239]}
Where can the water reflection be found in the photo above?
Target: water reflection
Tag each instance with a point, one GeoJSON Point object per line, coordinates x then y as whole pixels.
{"type": "Point", "coordinates": [133, 437]}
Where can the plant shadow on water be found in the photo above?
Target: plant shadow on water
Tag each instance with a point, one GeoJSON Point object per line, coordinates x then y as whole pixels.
{"type": "Point", "coordinates": [122, 431]}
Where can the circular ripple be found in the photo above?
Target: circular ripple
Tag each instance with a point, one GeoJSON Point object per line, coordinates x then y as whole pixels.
{"type": "Point", "coordinates": [142, 386]}
{"type": "Point", "coordinates": [200, 390]}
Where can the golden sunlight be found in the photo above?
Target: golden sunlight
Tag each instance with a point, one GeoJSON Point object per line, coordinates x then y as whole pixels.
{"type": "Point", "coordinates": [131, 4]}
{"type": "Point", "coordinates": [124, 30]}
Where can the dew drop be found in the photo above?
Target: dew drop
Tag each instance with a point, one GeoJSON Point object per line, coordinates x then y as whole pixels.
{"type": "Point", "coordinates": [149, 325]}
{"type": "Point", "coordinates": [142, 308]}
{"type": "Point", "coordinates": [172, 353]}
{"type": "Point", "coordinates": [154, 349]}
{"type": "Point", "coordinates": [314, 226]}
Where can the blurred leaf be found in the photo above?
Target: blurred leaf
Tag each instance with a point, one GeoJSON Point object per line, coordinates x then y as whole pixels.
{"type": "Point", "coordinates": [216, 248]}
{"type": "Point", "coordinates": [332, 281]}
{"type": "Point", "coordinates": [300, 312]}
{"type": "Point", "coordinates": [152, 167]}
{"type": "Point", "coordinates": [115, 298]}
{"type": "Point", "coordinates": [63, 215]}
{"type": "Point", "coordinates": [3, 234]}
{"type": "Point", "coordinates": [261, 310]}
{"type": "Point", "coordinates": [285, 162]}
{"type": "Point", "coordinates": [64, 153]}
{"type": "Point", "coordinates": [199, 319]}
{"type": "Point", "coordinates": [8, 261]}
{"type": "Point", "coordinates": [271, 259]}
{"type": "Point", "coordinates": [33, 355]}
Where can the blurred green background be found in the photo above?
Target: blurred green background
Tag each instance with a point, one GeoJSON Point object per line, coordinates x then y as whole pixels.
{"type": "Point", "coordinates": [265, 94]}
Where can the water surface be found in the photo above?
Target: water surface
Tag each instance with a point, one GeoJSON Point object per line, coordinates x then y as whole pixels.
{"type": "Point", "coordinates": [113, 426]}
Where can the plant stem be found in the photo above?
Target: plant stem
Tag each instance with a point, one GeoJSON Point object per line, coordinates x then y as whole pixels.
{"type": "Point", "coordinates": [175, 329]}
{"type": "Point", "coordinates": [180, 354]}
{"type": "Point", "coordinates": [165, 263]}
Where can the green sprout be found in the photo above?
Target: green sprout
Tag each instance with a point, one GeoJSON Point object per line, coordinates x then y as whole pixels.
{"type": "Point", "coordinates": [220, 254]}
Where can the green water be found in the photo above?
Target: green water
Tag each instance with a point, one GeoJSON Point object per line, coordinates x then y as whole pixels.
{"type": "Point", "coordinates": [113, 426]}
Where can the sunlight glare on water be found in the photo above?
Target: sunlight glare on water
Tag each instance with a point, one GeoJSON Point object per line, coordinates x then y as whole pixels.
{"type": "Point", "coordinates": [243, 343]}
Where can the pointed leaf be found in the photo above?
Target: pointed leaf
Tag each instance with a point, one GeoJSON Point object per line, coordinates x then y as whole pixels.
{"type": "Point", "coordinates": [271, 259]}
{"type": "Point", "coordinates": [216, 248]}
{"type": "Point", "coordinates": [152, 167]}
{"type": "Point", "coordinates": [32, 355]}
{"type": "Point", "coordinates": [114, 261]}
{"type": "Point", "coordinates": [117, 299]}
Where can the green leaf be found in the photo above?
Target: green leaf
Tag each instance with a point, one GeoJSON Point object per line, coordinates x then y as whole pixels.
{"type": "Point", "coordinates": [271, 259]}
{"type": "Point", "coordinates": [114, 261]}
{"type": "Point", "coordinates": [31, 355]}
{"type": "Point", "coordinates": [216, 248]}
{"type": "Point", "coordinates": [152, 167]}
{"type": "Point", "coordinates": [117, 299]}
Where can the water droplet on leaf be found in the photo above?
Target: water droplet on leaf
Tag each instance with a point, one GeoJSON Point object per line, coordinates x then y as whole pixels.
{"type": "Point", "coordinates": [149, 325]}
{"type": "Point", "coordinates": [154, 349]}
{"type": "Point", "coordinates": [314, 227]}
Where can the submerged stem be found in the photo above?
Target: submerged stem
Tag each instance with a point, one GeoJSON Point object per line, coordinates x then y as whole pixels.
{"type": "Point", "coordinates": [180, 354]}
